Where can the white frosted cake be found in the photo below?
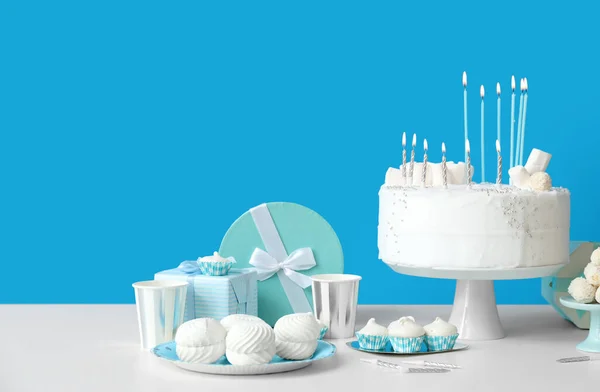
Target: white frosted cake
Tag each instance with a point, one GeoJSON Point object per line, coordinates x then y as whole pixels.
{"type": "Point", "coordinates": [460, 224]}
{"type": "Point", "coordinates": [482, 226]}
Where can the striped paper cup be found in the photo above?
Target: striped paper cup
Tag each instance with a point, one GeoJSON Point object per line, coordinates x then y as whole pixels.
{"type": "Point", "coordinates": [406, 345]}
{"type": "Point", "coordinates": [440, 343]}
{"type": "Point", "coordinates": [371, 342]}
{"type": "Point", "coordinates": [215, 268]}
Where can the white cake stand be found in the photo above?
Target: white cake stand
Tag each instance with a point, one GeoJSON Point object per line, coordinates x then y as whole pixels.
{"type": "Point", "coordinates": [474, 312]}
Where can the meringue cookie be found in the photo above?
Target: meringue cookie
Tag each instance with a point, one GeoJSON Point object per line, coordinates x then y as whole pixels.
{"type": "Point", "coordinates": [540, 181]}
{"type": "Point", "coordinates": [592, 274]}
{"type": "Point", "coordinates": [595, 257]}
{"type": "Point", "coordinates": [296, 335]}
{"type": "Point", "coordinates": [216, 258]}
{"type": "Point", "coordinates": [440, 327]}
{"type": "Point", "coordinates": [582, 291]}
{"type": "Point", "coordinates": [406, 327]}
{"type": "Point", "coordinates": [233, 319]}
{"type": "Point", "coordinates": [200, 340]}
{"type": "Point", "coordinates": [250, 344]}
{"type": "Point", "coordinates": [372, 328]}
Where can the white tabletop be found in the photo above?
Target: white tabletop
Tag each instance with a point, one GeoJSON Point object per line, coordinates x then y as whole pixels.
{"type": "Point", "coordinates": [64, 348]}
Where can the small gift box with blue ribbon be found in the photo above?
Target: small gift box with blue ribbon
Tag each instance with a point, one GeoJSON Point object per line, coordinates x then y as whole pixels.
{"type": "Point", "coordinates": [216, 290]}
{"type": "Point", "coordinates": [554, 287]}
{"type": "Point", "coordinates": [286, 243]}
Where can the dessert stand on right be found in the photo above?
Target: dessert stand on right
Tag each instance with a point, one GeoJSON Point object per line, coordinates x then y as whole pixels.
{"type": "Point", "coordinates": [474, 312]}
{"type": "Point", "coordinates": [592, 343]}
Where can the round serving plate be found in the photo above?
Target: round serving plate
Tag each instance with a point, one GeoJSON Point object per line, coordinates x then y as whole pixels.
{"type": "Point", "coordinates": [168, 352]}
{"type": "Point", "coordinates": [477, 273]}
{"type": "Point", "coordinates": [388, 349]}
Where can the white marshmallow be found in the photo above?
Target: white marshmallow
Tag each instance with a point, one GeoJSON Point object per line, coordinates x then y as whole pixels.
{"type": "Point", "coordinates": [540, 181]}
{"type": "Point", "coordinates": [201, 340]}
{"type": "Point", "coordinates": [250, 344]}
{"type": "Point", "coordinates": [457, 172]}
{"type": "Point", "coordinates": [538, 161]}
{"type": "Point", "coordinates": [296, 336]}
{"type": "Point", "coordinates": [394, 177]}
{"type": "Point", "coordinates": [519, 176]}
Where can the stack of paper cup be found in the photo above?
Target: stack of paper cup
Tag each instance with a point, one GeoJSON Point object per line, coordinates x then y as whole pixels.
{"type": "Point", "coordinates": [160, 307]}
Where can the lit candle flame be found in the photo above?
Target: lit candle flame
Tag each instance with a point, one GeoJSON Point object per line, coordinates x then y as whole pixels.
{"type": "Point", "coordinates": [425, 144]}
{"type": "Point", "coordinates": [482, 91]}
{"type": "Point", "coordinates": [498, 146]}
{"type": "Point", "coordinates": [512, 83]}
{"type": "Point", "coordinates": [467, 146]}
{"type": "Point", "coordinates": [465, 79]}
{"type": "Point", "coordinates": [498, 88]}
{"type": "Point", "coordinates": [414, 143]}
{"type": "Point", "coordinates": [526, 84]}
{"type": "Point", "coordinates": [403, 139]}
{"type": "Point", "coordinates": [443, 148]}
{"type": "Point", "coordinates": [522, 85]}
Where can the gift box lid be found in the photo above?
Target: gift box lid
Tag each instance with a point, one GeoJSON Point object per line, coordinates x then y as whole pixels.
{"type": "Point", "coordinates": [298, 227]}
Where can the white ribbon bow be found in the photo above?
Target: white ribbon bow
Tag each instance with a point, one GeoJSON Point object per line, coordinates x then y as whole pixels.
{"type": "Point", "coordinates": [299, 260]}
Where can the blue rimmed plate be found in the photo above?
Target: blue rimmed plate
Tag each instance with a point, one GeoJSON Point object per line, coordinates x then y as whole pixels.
{"type": "Point", "coordinates": [167, 352]}
{"type": "Point", "coordinates": [389, 350]}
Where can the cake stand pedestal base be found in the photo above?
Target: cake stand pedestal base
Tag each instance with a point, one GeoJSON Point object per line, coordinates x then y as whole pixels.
{"type": "Point", "coordinates": [592, 343]}
{"type": "Point", "coordinates": [475, 313]}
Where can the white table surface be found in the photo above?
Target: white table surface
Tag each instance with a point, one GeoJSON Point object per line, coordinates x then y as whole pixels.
{"type": "Point", "coordinates": [64, 348]}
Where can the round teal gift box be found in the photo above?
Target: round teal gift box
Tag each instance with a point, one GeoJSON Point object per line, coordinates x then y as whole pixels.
{"type": "Point", "coordinates": [298, 227]}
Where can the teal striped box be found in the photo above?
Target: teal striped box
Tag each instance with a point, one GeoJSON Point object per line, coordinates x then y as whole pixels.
{"type": "Point", "coordinates": [217, 296]}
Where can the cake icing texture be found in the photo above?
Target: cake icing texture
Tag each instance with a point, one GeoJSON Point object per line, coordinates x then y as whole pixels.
{"type": "Point", "coordinates": [473, 226]}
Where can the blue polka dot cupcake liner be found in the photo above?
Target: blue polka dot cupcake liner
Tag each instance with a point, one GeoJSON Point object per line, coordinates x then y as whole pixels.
{"type": "Point", "coordinates": [406, 345]}
{"type": "Point", "coordinates": [323, 332]}
{"type": "Point", "coordinates": [372, 342]}
{"type": "Point", "coordinates": [215, 268]}
{"type": "Point", "coordinates": [440, 343]}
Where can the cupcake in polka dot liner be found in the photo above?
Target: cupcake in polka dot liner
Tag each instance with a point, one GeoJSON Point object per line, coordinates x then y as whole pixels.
{"type": "Point", "coordinates": [215, 265]}
{"type": "Point", "coordinates": [585, 289]}
{"type": "Point", "coordinates": [440, 335]}
{"type": "Point", "coordinates": [373, 336]}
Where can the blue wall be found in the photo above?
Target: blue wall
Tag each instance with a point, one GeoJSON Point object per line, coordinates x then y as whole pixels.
{"type": "Point", "coordinates": [133, 133]}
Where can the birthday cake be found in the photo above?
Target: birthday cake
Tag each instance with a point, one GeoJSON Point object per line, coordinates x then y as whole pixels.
{"type": "Point", "coordinates": [435, 216]}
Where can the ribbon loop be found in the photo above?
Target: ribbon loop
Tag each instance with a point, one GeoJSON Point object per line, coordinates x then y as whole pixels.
{"type": "Point", "coordinates": [299, 260]}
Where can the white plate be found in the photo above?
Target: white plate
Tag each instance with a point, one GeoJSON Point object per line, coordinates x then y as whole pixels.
{"type": "Point", "coordinates": [167, 352]}
{"type": "Point", "coordinates": [388, 349]}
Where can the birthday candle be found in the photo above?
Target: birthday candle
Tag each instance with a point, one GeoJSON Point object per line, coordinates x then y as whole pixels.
{"type": "Point", "coordinates": [444, 167]}
{"type": "Point", "coordinates": [424, 173]}
{"type": "Point", "coordinates": [526, 86]}
{"type": "Point", "coordinates": [499, 177]}
{"type": "Point", "coordinates": [482, 92]}
{"type": "Point", "coordinates": [512, 119]}
{"type": "Point", "coordinates": [412, 156]}
{"type": "Point", "coordinates": [498, 109]}
{"type": "Point", "coordinates": [468, 150]}
{"type": "Point", "coordinates": [464, 81]}
{"type": "Point", "coordinates": [404, 155]}
{"type": "Point", "coordinates": [518, 149]}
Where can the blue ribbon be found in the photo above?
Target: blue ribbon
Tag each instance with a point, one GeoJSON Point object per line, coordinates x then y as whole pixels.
{"type": "Point", "coordinates": [190, 268]}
